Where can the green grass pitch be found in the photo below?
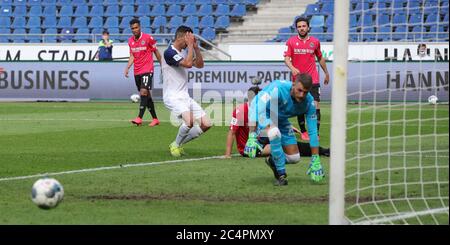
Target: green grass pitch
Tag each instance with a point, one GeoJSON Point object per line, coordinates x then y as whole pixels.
{"type": "Point", "coordinates": [56, 137]}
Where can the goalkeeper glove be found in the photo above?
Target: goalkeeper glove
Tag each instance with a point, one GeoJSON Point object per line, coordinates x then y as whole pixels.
{"type": "Point", "coordinates": [252, 145]}
{"type": "Point", "coordinates": [315, 170]}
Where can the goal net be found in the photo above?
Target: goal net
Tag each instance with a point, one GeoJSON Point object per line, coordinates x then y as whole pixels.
{"type": "Point", "coordinates": [396, 167]}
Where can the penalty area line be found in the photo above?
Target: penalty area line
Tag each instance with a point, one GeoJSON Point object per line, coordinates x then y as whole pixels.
{"type": "Point", "coordinates": [109, 168]}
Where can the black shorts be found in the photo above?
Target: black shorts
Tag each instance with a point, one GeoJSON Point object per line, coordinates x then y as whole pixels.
{"type": "Point", "coordinates": [263, 141]}
{"type": "Point", "coordinates": [315, 92]}
{"type": "Point", "coordinates": [144, 81]}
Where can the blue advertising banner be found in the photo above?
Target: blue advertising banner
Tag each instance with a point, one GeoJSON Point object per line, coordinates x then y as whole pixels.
{"type": "Point", "coordinates": [368, 81]}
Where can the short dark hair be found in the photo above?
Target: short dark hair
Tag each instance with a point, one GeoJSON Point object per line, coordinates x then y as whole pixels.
{"type": "Point", "coordinates": [252, 92]}
{"type": "Point", "coordinates": [135, 21]}
{"type": "Point", "coordinates": [305, 79]}
{"type": "Point", "coordinates": [181, 30]}
{"type": "Point", "coordinates": [105, 32]}
{"type": "Point", "coordinates": [301, 18]}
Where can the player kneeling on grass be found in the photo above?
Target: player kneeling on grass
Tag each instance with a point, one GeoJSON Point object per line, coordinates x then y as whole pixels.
{"type": "Point", "coordinates": [239, 132]}
{"type": "Point", "coordinates": [178, 57]}
{"type": "Point", "coordinates": [269, 114]}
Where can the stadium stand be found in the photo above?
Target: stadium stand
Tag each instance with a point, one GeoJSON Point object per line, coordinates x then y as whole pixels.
{"type": "Point", "coordinates": [379, 20]}
{"type": "Point", "coordinates": [87, 18]}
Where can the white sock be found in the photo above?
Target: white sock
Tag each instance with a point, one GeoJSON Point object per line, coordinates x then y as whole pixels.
{"type": "Point", "coordinates": [182, 134]}
{"type": "Point", "coordinates": [193, 133]}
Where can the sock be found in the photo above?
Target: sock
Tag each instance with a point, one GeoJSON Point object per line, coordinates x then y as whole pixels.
{"type": "Point", "coordinates": [182, 133]}
{"type": "Point", "coordinates": [151, 107]}
{"type": "Point", "coordinates": [193, 133]}
{"type": "Point", "coordinates": [301, 122]}
{"type": "Point", "coordinates": [318, 120]}
{"type": "Point", "coordinates": [278, 156]}
{"type": "Point", "coordinates": [142, 106]}
{"type": "Point", "coordinates": [304, 149]}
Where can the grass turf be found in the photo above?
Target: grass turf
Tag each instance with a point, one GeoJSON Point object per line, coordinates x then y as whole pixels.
{"type": "Point", "coordinates": [53, 137]}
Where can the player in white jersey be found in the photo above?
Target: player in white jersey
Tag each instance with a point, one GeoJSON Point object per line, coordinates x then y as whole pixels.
{"type": "Point", "coordinates": [184, 53]}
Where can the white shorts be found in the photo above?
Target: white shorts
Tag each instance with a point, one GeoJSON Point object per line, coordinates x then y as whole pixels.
{"type": "Point", "coordinates": [179, 105]}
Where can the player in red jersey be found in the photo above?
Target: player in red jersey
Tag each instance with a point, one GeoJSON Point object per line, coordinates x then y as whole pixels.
{"type": "Point", "coordinates": [300, 57]}
{"type": "Point", "coordinates": [142, 47]}
{"type": "Point", "coordinates": [239, 131]}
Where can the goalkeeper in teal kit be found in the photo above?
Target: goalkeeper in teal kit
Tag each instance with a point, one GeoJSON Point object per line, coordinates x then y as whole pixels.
{"type": "Point", "coordinates": [269, 115]}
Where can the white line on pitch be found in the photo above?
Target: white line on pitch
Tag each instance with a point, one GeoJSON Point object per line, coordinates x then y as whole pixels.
{"type": "Point", "coordinates": [109, 168]}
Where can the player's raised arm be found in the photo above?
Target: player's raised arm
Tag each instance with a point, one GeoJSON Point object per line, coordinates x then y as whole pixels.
{"type": "Point", "coordinates": [130, 63]}
{"type": "Point", "coordinates": [198, 61]}
{"type": "Point", "coordinates": [188, 62]}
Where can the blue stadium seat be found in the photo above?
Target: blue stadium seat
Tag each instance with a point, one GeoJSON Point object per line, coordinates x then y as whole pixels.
{"type": "Point", "coordinates": [192, 21]}
{"type": "Point", "coordinates": [222, 22]}
{"type": "Point", "coordinates": [206, 21]}
{"type": "Point", "coordinates": [159, 21]}
{"type": "Point", "coordinates": [51, 36]}
{"type": "Point", "coordinates": [384, 33]}
{"type": "Point", "coordinates": [64, 22]}
{"type": "Point", "coordinates": [95, 2]}
{"type": "Point", "coordinates": [187, 2]}
{"type": "Point", "coordinates": [327, 8]}
{"type": "Point", "coordinates": [329, 21]}
{"type": "Point", "coordinates": [81, 11]}
{"type": "Point", "coordinates": [415, 34]}
{"type": "Point", "coordinates": [64, 3]}
{"type": "Point", "coordinates": [112, 11]}
{"type": "Point", "coordinates": [34, 3]}
{"type": "Point", "coordinates": [96, 10]}
{"type": "Point", "coordinates": [48, 2]}
{"type": "Point", "coordinates": [126, 33]}
{"type": "Point", "coordinates": [432, 18]}
{"type": "Point", "coordinates": [158, 10]}
{"type": "Point", "coordinates": [110, 2]}
{"type": "Point", "coordinates": [431, 10]}
{"type": "Point", "coordinates": [49, 10]}
{"type": "Point", "coordinates": [67, 35]}
{"type": "Point", "coordinates": [127, 2]}
{"type": "Point", "coordinates": [217, 2]}
{"type": "Point", "coordinates": [34, 22]}
{"type": "Point", "coordinates": [399, 19]}
{"type": "Point", "coordinates": [143, 2]}
{"type": "Point", "coordinates": [35, 36]}
{"type": "Point", "coordinates": [49, 22]}
{"type": "Point", "coordinates": [175, 22]}
{"type": "Point", "coordinates": [4, 34]}
{"type": "Point", "coordinates": [114, 33]}
{"type": "Point", "coordinates": [95, 22]}
{"type": "Point", "coordinates": [239, 10]}
{"type": "Point", "coordinates": [383, 19]}
{"type": "Point", "coordinates": [78, 2]}
{"type": "Point", "coordinates": [445, 18]}
{"type": "Point", "coordinates": [399, 4]}
{"type": "Point", "coordinates": [125, 22]}
{"type": "Point", "coordinates": [251, 2]}
{"type": "Point", "coordinates": [143, 9]}
{"type": "Point", "coordinates": [6, 11]}
{"type": "Point", "coordinates": [189, 10]}
{"type": "Point", "coordinates": [400, 33]}
{"type": "Point", "coordinates": [127, 10]}
{"type": "Point", "coordinates": [416, 19]}
{"type": "Point", "coordinates": [414, 4]}
{"type": "Point", "coordinates": [209, 34]}
{"type": "Point", "coordinates": [316, 31]}
{"type": "Point", "coordinates": [171, 2]}
{"type": "Point", "coordinates": [366, 20]}
{"type": "Point", "coordinates": [174, 10]}
{"type": "Point", "coordinates": [66, 10]}
{"type": "Point", "coordinates": [236, 2]}
{"type": "Point", "coordinates": [202, 2]}
{"type": "Point", "coordinates": [145, 21]}
{"type": "Point", "coordinates": [5, 22]}
{"type": "Point", "coordinates": [19, 3]}
{"type": "Point", "coordinates": [6, 3]}
{"type": "Point", "coordinates": [82, 35]}
{"type": "Point", "coordinates": [222, 9]}
{"type": "Point", "coordinates": [19, 22]}
{"type": "Point", "coordinates": [317, 21]}
{"type": "Point", "coordinates": [35, 11]}
{"type": "Point", "coordinates": [368, 34]}
{"type": "Point", "coordinates": [81, 22]}
{"type": "Point", "coordinates": [205, 10]}
{"type": "Point", "coordinates": [111, 22]}
{"type": "Point", "coordinates": [353, 20]}
{"type": "Point", "coordinates": [17, 38]}
{"type": "Point", "coordinates": [312, 9]}
{"type": "Point", "coordinates": [20, 10]}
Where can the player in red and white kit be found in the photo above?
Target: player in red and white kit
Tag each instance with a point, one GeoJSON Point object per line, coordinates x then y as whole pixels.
{"type": "Point", "coordinates": [300, 56]}
{"type": "Point", "coordinates": [142, 47]}
{"type": "Point", "coordinates": [239, 131]}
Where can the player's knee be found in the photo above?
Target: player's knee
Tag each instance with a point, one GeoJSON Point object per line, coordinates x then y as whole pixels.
{"type": "Point", "coordinates": [294, 158]}
{"type": "Point", "coordinates": [274, 133]}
